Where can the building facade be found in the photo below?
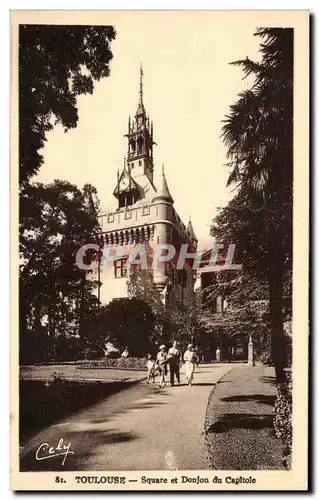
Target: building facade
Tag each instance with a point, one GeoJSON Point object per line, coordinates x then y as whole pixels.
{"type": "Point", "coordinates": [144, 214]}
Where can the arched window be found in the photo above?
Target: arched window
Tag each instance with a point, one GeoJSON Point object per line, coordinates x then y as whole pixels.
{"type": "Point", "coordinates": [132, 144]}
{"type": "Point", "coordinates": [140, 143]}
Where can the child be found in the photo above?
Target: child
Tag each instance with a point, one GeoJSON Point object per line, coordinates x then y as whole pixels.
{"type": "Point", "coordinates": [190, 363]}
{"type": "Point", "coordinates": [150, 369]}
{"type": "Point", "coordinates": [161, 360]}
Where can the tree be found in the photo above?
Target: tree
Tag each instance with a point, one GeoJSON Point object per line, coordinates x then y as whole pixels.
{"type": "Point", "coordinates": [140, 284]}
{"type": "Point", "coordinates": [129, 322]}
{"type": "Point", "coordinates": [56, 64]}
{"type": "Point", "coordinates": [55, 295]}
{"type": "Point", "coordinates": [246, 313]}
{"type": "Point", "coordinates": [171, 321]}
{"type": "Point", "coordinates": [258, 134]}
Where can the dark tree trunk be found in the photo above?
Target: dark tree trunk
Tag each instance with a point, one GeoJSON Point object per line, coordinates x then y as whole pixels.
{"type": "Point", "coordinates": [82, 305]}
{"type": "Point", "coordinates": [51, 320]}
{"type": "Point", "coordinates": [275, 284]}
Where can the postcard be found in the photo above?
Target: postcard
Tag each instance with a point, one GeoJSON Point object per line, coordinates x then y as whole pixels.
{"type": "Point", "coordinates": [159, 213]}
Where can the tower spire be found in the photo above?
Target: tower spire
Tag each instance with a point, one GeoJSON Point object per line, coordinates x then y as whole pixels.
{"type": "Point", "coordinates": [140, 139]}
{"type": "Point", "coordinates": [141, 84]}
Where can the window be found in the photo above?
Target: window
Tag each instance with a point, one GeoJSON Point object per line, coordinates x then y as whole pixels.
{"type": "Point", "coordinates": [128, 214]}
{"type": "Point", "coordinates": [110, 218]}
{"type": "Point", "coordinates": [132, 144]}
{"type": "Point", "coordinates": [139, 163]}
{"type": "Point", "coordinates": [119, 270]}
{"type": "Point", "coordinates": [140, 143]}
{"type": "Point", "coordinates": [146, 210]}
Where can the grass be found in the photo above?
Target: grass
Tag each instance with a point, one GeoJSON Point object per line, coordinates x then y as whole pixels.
{"type": "Point", "coordinates": [43, 402]}
{"type": "Point", "coordinates": [239, 433]}
{"type": "Point", "coordinates": [77, 373]}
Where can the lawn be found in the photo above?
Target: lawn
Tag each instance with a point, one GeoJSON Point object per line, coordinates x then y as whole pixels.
{"type": "Point", "coordinates": [239, 433]}
{"type": "Point", "coordinates": [78, 373]}
{"type": "Point", "coordinates": [51, 392]}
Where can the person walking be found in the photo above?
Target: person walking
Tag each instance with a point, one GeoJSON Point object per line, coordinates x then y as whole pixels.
{"type": "Point", "coordinates": [161, 363]}
{"type": "Point", "coordinates": [218, 355]}
{"type": "Point", "coordinates": [150, 365]}
{"type": "Point", "coordinates": [174, 360]}
{"type": "Point", "coordinates": [125, 354]}
{"type": "Point", "coordinates": [190, 363]}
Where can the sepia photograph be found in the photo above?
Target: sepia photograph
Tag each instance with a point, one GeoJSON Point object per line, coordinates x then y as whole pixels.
{"type": "Point", "coordinates": [158, 204]}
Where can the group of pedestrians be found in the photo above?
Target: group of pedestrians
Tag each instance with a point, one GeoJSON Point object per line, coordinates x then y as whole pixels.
{"type": "Point", "coordinates": [172, 359]}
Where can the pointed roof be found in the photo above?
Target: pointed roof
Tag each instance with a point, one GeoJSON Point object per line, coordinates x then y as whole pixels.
{"type": "Point", "coordinates": [125, 182]}
{"type": "Point", "coordinates": [190, 229]}
{"type": "Point", "coordinates": [162, 193]}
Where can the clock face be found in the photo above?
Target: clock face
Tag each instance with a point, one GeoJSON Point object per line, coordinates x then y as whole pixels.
{"type": "Point", "coordinates": [124, 182]}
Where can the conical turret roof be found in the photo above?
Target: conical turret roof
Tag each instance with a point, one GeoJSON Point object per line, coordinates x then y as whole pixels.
{"type": "Point", "coordinates": [190, 229]}
{"type": "Point", "coordinates": [162, 193]}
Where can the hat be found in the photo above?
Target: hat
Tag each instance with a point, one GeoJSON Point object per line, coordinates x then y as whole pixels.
{"type": "Point", "coordinates": [162, 346]}
{"type": "Point", "coordinates": [189, 346]}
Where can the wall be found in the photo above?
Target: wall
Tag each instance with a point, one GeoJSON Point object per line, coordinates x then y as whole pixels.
{"type": "Point", "coordinates": [112, 288]}
{"type": "Point", "coordinates": [140, 215]}
{"type": "Point", "coordinates": [154, 222]}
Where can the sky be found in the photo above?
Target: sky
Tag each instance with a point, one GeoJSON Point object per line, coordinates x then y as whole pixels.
{"type": "Point", "coordinates": [188, 88]}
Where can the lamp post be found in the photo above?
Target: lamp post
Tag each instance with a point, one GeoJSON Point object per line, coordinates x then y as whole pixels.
{"type": "Point", "coordinates": [251, 361]}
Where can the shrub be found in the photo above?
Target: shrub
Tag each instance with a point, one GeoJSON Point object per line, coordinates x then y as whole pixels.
{"type": "Point", "coordinates": [118, 364]}
{"type": "Point", "coordinates": [91, 353]}
{"type": "Point", "coordinates": [265, 356]}
{"type": "Point", "coordinates": [283, 418]}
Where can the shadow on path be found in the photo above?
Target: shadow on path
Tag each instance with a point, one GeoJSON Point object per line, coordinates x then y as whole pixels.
{"type": "Point", "coordinates": [88, 430]}
{"type": "Point", "coordinates": [268, 380]}
{"type": "Point", "coordinates": [90, 440]}
{"type": "Point", "coordinates": [42, 405]}
{"type": "Point", "coordinates": [241, 421]}
{"type": "Point", "coordinates": [258, 398]}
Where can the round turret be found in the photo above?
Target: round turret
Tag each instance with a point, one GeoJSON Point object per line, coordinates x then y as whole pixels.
{"type": "Point", "coordinates": [163, 194]}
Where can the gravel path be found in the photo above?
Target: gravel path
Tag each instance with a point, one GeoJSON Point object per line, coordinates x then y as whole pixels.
{"type": "Point", "coordinates": [239, 433]}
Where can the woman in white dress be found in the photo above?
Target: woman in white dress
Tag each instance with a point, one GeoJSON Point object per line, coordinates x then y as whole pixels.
{"type": "Point", "coordinates": [161, 360]}
{"type": "Point", "coordinates": [190, 363]}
